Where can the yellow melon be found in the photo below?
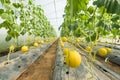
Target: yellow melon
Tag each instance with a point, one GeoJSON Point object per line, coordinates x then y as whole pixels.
{"type": "Point", "coordinates": [65, 51]}
{"type": "Point", "coordinates": [35, 44]}
{"type": "Point", "coordinates": [64, 39]}
{"type": "Point", "coordinates": [73, 59]}
{"type": "Point", "coordinates": [24, 48]}
{"type": "Point", "coordinates": [108, 50]}
{"type": "Point", "coordinates": [88, 48]}
{"type": "Point", "coordinates": [41, 42]}
{"type": "Point", "coordinates": [102, 51]}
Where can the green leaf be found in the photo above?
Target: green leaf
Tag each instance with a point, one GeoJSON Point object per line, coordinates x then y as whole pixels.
{"type": "Point", "coordinates": [102, 10]}
{"type": "Point", "coordinates": [115, 26]}
{"type": "Point", "coordinates": [112, 6]}
{"type": "Point", "coordinates": [7, 17]}
{"type": "Point", "coordinates": [30, 2]}
{"type": "Point", "coordinates": [23, 32]}
{"type": "Point", "coordinates": [7, 6]}
{"type": "Point", "coordinates": [91, 19]}
{"type": "Point", "coordinates": [93, 37]}
{"type": "Point", "coordinates": [91, 9]}
{"type": "Point", "coordinates": [100, 30]}
{"type": "Point", "coordinates": [17, 5]}
{"type": "Point", "coordinates": [72, 26]}
{"type": "Point", "coordinates": [115, 18]}
{"type": "Point", "coordinates": [100, 23]}
{"type": "Point", "coordinates": [8, 38]}
{"type": "Point", "coordinates": [4, 16]}
{"type": "Point", "coordinates": [73, 5]}
{"type": "Point", "coordinates": [5, 24]}
{"type": "Point", "coordinates": [13, 33]}
{"type": "Point", "coordinates": [1, 11]}
{"type": "Point", "coordinates": [10, 19]}
{"type": "Point", "coordinates": [83, 17]}
{"type": "Point", "coordinates": [99, 3]}
{"type": "Point", "coordinates": [77, 32]}
{"type": "Point", "coordinates": [5, 1]}
{"type": "Point", "coordinates": [114, 31]}
{"type": "Point", "coordinates": [16, 27]}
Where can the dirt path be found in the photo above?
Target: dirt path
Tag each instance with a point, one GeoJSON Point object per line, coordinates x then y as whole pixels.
{"type": "Point", "coordinates": [42, 68]}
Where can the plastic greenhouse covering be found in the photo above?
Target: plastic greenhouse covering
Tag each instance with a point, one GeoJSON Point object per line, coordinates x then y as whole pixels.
{"type": "Point", "coordinates": [59, 39]}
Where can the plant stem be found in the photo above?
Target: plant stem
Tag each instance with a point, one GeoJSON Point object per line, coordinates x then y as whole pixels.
{"type": "Point", "coordinates": [8, 58]}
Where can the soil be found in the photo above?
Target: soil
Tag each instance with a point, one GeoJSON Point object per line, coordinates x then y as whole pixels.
{"type": "Point", "coordinates": [7, 51]}
{"type": "Point", "coordinates": [4, 53]}
{"type": "Point", "coordinates": [43, 67]}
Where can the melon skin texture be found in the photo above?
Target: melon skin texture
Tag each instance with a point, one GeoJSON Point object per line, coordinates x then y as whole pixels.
{"type": "Point", "coordinates": [64, 39]}
{"type": "Point", "coordinates": [88, 48]}
{"type": "Point", "coordinates": [24, 48]}
{"type": "Point", "coordinates": [109, 50]}
{"type": "Point", "coordinates": [35, 44]}
{"type": "Point", "coordinates": [102, 51]}
{"type": "Point", "coordinates": [73, 59]}
{"type": "Point", "coordinates": [41, 42]}
{"type": "Point", "coordinates": [65, 51]}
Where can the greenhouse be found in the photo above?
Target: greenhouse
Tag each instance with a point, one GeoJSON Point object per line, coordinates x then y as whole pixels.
{"type": "Point", "coordinates": [59, 39]}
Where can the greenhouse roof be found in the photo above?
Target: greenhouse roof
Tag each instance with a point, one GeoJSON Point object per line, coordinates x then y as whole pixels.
{"type": "Point", "coordinates": [54, 10]}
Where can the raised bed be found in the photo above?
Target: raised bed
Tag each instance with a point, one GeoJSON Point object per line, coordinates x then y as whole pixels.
{"type": "Point", "coordinates": [63, 72]}
{"type": "Point", "coordinates": [113, 57]}
{"type": "Point", "coordinates": [20, 61]}
{"type": "Point", "coordinates": [25, 63]}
